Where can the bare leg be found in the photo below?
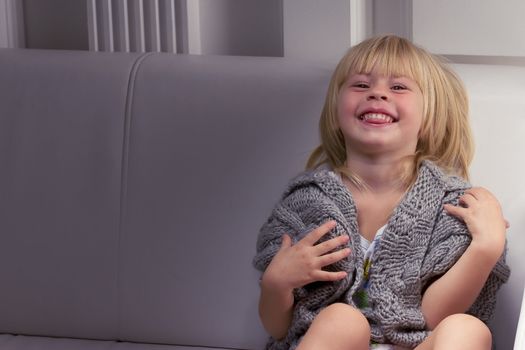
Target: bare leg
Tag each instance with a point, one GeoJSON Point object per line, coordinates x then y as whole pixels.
{"type": "Point", "coordinates": [337, 327]}
{"type": "Point", "coordinates": [458, 332]}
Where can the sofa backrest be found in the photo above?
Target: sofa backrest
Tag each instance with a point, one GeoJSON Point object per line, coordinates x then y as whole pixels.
{"type": "Point", "coordinates": [61, 142]}
{"type": "Point", "coordinates": [133, 187]}
{"type": "Point", "coordinates": [212, 143]}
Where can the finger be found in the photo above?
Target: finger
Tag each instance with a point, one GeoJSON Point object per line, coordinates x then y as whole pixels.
{"type": "Point", "coordinates": [467, 200]}
{"type": "Point", "coordinates": [479, 193]}
{"type": "Point", "coordinates": [331, 244]}
{"type": "Point", "coordinates": [327, 276]}
{"type": "Point", "coordinates": [456, 211]}
{"type": "Point", "coordinates": [316, 234]}
{"type": "Point", "coordinates": [334, 257]}
{"type": "Point", "coordinates": [287, 241]}
{"type": "Point", "coordinates": [474, 192]}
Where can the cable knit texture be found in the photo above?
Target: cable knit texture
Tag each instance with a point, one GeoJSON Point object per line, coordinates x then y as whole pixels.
{"type": "Point", "coordinates": [420, 243]}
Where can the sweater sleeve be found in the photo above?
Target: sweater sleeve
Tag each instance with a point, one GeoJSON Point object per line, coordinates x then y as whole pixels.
{"type": "Point", "coordinates": [283, 220]}
{"type": "Point", "coordinates": [450, 240]}
{"type": "Point", "coordinates": [300, 211]}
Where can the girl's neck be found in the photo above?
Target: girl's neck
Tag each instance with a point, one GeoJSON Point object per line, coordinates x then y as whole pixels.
{"type": "Point", "coordinates": [378, 176]}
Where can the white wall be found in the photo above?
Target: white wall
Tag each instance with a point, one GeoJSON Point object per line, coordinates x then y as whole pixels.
{"type": "Point", "coordinates": [3, 24]}
{"type": "Point", "coordinates": [312, 30]}
{"type": "Point", "coordinates": [309, 28]}
{"type": "Point", "coordinates": [11, 24]}
{"type": "Point", "coordinates": [392, 17]}
{"type": "Point", "coordinates": [470, 27]}
{"type": "Point", "coordinates": [241, 27]}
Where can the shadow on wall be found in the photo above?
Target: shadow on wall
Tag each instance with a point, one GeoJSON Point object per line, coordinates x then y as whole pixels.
{"type": "Point", "coordinates": [56, 24]}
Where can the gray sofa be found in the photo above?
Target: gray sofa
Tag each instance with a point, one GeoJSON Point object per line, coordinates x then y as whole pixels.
{"type": "Point", "coordinates": [132, 187]}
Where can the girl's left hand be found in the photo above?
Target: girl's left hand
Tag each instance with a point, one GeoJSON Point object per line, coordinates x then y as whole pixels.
{"type": "Point", "coordinates": [481, 212]}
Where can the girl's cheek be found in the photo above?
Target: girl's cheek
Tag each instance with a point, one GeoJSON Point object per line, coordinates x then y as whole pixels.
{"type": "Point", "coordinates": [343, 112]}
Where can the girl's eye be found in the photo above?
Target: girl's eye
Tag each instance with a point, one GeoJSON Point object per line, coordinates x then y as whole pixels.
{"type": "Point", "coordinates": [360, 85]}
{"type": "Point", "coordinates": [398, 87]}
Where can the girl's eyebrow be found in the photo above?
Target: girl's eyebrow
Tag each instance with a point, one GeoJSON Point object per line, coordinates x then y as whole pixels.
{"type": "Point", "coordinates": [404, 79]}
{"type": "Point", "coordinates": [359, 76]}
{"type": "Point", "coordinates": [368, 76]}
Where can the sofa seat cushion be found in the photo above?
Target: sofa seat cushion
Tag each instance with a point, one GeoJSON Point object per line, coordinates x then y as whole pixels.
{"type": "Point", "coordinates": [16, 342]}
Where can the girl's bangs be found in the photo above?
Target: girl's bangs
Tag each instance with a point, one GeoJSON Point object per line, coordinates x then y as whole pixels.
{"type": "Point", "coordinates": [387, 58]}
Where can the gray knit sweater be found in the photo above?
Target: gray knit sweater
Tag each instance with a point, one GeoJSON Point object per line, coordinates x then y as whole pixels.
{"type": "Point", "coordinates": [420, 243]}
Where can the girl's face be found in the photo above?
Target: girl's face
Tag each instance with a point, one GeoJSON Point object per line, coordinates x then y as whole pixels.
{"type": "Point", "coordinates": [380, 115]}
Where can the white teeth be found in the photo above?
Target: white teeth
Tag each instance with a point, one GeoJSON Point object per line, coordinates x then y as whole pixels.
{"type": "Point", "coordinates": [377, 116]}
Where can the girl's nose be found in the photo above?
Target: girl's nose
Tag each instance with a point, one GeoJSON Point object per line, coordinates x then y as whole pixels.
{"type": "Point", "coordinates": [377, 95]}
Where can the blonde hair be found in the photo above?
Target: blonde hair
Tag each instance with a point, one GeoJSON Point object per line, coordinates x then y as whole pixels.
{"type": "Point", "coordinates": [445, 136]}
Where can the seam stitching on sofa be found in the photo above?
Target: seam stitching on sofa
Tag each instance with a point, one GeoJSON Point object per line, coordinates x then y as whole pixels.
{"type": "Point", "coordinates": [124, 177]}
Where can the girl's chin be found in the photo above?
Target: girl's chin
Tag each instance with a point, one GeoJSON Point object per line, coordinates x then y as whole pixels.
{"type": "Point", "coordinates": [381, 148]}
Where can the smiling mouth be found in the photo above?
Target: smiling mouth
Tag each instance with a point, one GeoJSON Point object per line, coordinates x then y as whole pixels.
{"type": "Point", "coordinates": [377, 118]}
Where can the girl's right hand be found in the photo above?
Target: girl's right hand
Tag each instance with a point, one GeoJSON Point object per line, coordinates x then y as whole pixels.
{"type": "Point", "coordinates": [297, 265]}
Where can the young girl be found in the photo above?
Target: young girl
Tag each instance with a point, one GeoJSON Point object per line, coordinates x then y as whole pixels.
{"type": "Point", "coordinates": [381, 243]}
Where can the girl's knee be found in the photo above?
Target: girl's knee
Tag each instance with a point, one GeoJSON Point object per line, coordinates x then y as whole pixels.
{"type": "Point", "coordinates": [466, 327]}
{"type": "Point", "coordinates": [466, 322]}
{"type": "Point", "coordinates": [344, 321]}
{"type": "Point", "coordinates": [345, 314]}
